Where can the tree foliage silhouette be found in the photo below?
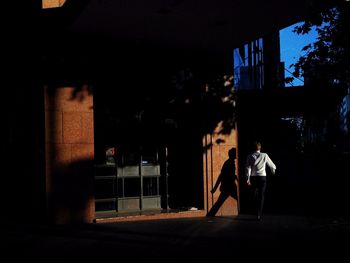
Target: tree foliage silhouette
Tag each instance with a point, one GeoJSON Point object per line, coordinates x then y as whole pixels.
{"type": "Point", "coordinates": [326, 62]}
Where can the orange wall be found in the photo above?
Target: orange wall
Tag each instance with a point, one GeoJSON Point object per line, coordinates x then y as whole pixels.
{"type": "Point", "coordinates": [69, 154]}
{"type": "Point", "coordinates": [215, 154]}
{"type": "Point", "coordinates": [52, 3]}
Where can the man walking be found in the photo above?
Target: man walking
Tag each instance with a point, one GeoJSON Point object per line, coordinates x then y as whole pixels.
{"type": "Point", "coordinates": [256, 175]}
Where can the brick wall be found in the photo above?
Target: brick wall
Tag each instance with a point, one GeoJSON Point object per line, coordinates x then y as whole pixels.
{"type": "Point", "coordinates": [216, 151]}
{"type": "Point", "coordinates": [69, 154]}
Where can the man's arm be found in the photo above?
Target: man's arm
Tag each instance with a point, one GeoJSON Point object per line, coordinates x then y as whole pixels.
{"type": "Point", "coordinates": [270, 164]}
{"type": "Point", "coordinates": [248, 171]}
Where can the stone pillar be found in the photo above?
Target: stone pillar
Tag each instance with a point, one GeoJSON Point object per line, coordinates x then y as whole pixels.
{"type": "Point", "coordinates": [216, 148]}
{"type": "Point", "coordinates": [69, 154]}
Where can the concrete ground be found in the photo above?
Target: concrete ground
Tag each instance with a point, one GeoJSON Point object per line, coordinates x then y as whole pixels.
{"type": "Point", "coordinates": [277, 238]}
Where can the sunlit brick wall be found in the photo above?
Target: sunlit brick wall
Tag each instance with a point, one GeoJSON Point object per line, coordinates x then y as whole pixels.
{"type": "Point", "coordinates": [217, 147]}
{"type": "Point", "coordinates": [69, 140]}
{"type": "Point", "coordinates": [52, 3]}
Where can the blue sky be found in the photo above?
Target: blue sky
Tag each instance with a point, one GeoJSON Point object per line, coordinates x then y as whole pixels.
{"type": "Point", "coordinates": [291, 45]}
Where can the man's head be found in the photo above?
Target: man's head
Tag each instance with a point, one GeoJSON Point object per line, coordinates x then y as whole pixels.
{"type": "Point", "coordinates": [257, 146]}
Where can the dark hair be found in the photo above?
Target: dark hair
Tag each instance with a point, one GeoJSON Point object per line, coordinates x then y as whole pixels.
{"type": "Point", "coordinates": [257, 146]}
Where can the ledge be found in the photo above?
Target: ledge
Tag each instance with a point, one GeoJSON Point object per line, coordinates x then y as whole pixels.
{"type": "Point", "coordinates": [148, 215]}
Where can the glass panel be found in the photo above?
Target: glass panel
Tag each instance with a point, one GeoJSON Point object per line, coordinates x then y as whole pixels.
{"type": "Point", "coordinates": [104, 188]}
{"type": "Point", "coordinates": [150, 186]}
{"type": "Point", "coordinates": [132, 187]}
{"type": "Point", "coordinates": [105, 170]}
{"type": "Point", "coordinates": [105, 206]}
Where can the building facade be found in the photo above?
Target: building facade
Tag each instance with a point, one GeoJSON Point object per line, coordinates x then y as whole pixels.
{"type": "Point", "coordinates": [96, 85]}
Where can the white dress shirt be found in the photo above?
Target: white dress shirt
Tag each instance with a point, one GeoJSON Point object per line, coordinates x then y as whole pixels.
{"type": "Point", "coordinates": [256, 164]}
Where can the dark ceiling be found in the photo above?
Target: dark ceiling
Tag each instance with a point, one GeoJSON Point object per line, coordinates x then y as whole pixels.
{"type": "Point", "coordinates": [210, 26]}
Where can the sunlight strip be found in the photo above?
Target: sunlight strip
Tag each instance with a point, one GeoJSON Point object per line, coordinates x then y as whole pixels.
{"type": "Point", "coordinates": [52, 3]}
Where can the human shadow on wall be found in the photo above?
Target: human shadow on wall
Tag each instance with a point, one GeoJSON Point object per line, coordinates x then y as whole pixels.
{"type": "Point", "coordinates": [227, 181]}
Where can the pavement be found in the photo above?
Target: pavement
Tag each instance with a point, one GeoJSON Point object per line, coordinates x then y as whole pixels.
{"type": "Point", "coordinates": [277, 238]}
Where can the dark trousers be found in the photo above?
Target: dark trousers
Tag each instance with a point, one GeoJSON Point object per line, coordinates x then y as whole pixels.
{"type": "Point", "coordinates": [259, 184]}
